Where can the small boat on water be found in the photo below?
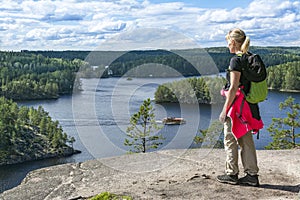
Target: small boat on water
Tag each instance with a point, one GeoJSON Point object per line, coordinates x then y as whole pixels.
{"type": "Point", "coordinates": [173, 121]}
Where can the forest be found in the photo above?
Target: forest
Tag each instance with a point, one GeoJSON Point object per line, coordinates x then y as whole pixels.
{"type": "Point", "coordinates": [28, 134]}
{"type": "Point", "coordinates": [284, 77]}
{"type": "Point", "coordinates": [26, 76]}
{"type": "Point", "coordinates": [186, 62]}
{"type": "Point", "coordinates": [190, 62]}
{"type": "Point", "coordinates": [191, 91]}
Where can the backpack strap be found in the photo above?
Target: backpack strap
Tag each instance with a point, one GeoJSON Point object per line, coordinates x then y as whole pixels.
{"type": "Point", "coordinates": [244, 85]}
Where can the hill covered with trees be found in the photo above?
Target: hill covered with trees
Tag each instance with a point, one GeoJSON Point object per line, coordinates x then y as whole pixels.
{"type": "Point", "coordinates": [176, 59]}
{"type": "Point", "coordinates": [285, 77]}
{"type": "Point", "coordinates": [30, 134]}
{"type": "Point", "coordinates": [27, 76]}
{"type": "Point", "coordinates": [47, 74]}
{"type": "Point", "coordinates": [203, 90]}
{"type": "Point", "coordinates": [189, 62]}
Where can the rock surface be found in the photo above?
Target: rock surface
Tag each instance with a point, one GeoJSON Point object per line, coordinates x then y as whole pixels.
{"type": "Point", "coordinates": [170, 174]}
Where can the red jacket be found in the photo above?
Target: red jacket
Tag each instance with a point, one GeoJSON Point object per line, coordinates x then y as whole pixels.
{"type": "Point", "coordinates": [241, 117]}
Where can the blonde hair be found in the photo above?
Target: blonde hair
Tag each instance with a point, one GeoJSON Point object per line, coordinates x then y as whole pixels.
{"type": "Point", "coordinates": [240, 38]}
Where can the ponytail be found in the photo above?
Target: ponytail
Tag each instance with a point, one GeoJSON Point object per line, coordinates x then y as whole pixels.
{"type": "Point", "coordinates": [239, 37]}
{"type": "Point", "coordinates": [245, 45]}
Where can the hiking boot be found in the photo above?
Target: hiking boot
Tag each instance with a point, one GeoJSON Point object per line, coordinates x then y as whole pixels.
{"type": "Point", "coordinates": [249, 180]}
{"type": "Point", "coordinates": [231, 179]}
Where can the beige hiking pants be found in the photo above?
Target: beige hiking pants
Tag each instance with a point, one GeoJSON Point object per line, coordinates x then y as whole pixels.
{"type": "Point", "coordinates": [247, 149]}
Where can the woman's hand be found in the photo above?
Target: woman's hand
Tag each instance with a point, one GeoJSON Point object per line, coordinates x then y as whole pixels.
{"type": "Point", "coordinates": [222, 116]}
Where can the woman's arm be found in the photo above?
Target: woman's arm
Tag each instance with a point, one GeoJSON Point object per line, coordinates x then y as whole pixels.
{"type": "Point", "coordinates": [234, 86]}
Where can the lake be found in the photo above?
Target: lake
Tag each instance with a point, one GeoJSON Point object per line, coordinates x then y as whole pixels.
{"type": "Point", "coordinates": [97, 118]}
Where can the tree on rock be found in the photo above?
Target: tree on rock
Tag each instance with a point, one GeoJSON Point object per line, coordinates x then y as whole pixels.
{"type": "Point", "coordinates": [212, 137]}
{"type": "Point", "coordinates": [285, 131]}
{"type": "Point", "coordinates": [142, 130]}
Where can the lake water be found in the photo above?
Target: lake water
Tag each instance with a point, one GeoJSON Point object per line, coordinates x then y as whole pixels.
{"type": "Point", "coordinates": [97, 118]}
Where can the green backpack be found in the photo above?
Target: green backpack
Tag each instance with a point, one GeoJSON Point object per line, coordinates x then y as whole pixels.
{"type": "Point", "coordinates": [255, 71]}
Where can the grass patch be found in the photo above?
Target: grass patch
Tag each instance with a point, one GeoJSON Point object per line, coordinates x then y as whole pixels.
{"type": "Point", "coordinates": [110, 196]}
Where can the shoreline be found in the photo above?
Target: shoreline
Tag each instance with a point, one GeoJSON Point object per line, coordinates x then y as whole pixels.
{"type": "Point", "coordinates": [22, 159]}
{"type": "Point", "coordinates": [284, 90]}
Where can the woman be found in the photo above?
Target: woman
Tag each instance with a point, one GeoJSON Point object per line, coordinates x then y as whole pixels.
{"type": "Point", "coordinates": [238, 44]}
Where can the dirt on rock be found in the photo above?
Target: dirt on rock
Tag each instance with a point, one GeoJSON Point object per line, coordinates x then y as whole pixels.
{"type": "Point", "coordinates": [170, 174]}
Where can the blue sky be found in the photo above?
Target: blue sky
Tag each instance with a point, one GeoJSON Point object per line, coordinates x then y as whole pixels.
{"type": "Point", "coordinates": [90, 24]}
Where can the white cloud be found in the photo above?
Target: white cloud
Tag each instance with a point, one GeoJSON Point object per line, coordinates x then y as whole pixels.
{"type": "Point", "coordinates": [38, 8]}
{"type": "Point", "coordinates": [75, 24]}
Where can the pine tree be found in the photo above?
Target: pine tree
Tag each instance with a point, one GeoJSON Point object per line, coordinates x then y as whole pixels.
{"type": "Point", "coordinates": [141, 128]}
{"type": "Point", "coordinates": [284, 130]}
{"type": "Point", "coordinates": [292, 82]}
{"type": "Point", "coordinates": [212, 137]}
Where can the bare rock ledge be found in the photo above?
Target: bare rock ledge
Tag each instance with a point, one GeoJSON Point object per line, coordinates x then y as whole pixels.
{"type": "Point", "coordinates": [170, 174]}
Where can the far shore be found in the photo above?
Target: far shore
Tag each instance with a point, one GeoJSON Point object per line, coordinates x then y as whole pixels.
{"type": "Point", "coordinates": [22, 159]}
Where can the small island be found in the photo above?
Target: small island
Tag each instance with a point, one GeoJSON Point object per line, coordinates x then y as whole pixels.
{"type": "Point", "coordinates": [28, 134]}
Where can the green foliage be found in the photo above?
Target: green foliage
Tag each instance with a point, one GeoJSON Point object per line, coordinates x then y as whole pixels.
{"type": "Point", "coordinates": [284, 130]}
{"type": "Point", "coordinates": [26, 130]}
{"type": "Point", "coordinates": [71, 141]}
{"type": "Point", "coordinates": [110, 196]}
{"type": "Point", "coordinates": [25, 76]}
{"type": "Point", "coordinates": [191, 90]}
{"type": "Point", "coordinates": [47, 74]}
{"type": "Point", "coordinates": [270, 55]}
{"type": "Point", "coordinates": [131, 60]}
{"type": "Point", "coordinates": [220, 56]}
{"type": "Point", "coordinates": [284, 76]}
{"type": "Point", "coordinates": [211, 137]}
{"type": "Point", "coordinates": [141, 128]}
{"type": "Point", "coordinates": [68, 55]}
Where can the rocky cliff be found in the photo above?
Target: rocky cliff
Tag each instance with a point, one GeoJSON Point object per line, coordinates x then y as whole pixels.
{"type": "Point", "coordinates": [171, 174]}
